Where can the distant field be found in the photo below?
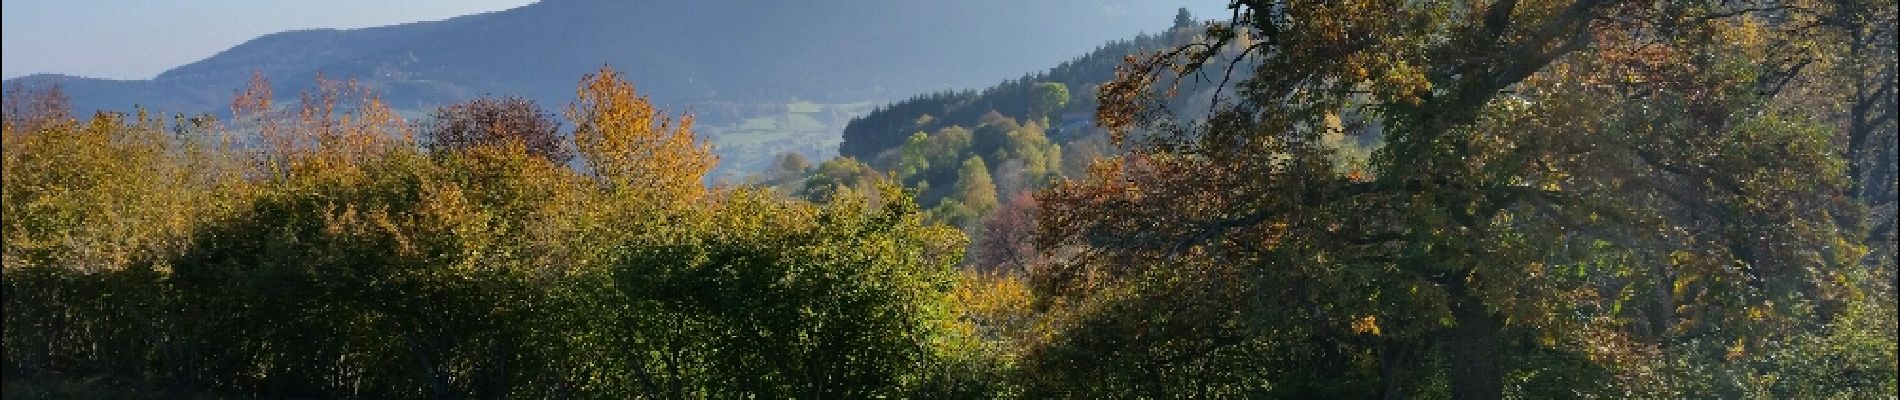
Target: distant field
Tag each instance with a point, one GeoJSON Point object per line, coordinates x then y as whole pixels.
{"type": "Point", "coordinates": [814, 129]}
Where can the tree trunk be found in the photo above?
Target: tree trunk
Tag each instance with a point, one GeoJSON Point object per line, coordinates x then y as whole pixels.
{"type": "Point", "coordinates": [1472, 347]}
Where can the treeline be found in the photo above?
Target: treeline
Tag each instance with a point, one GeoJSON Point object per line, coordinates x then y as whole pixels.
{"type": "Point", "coordinates": [890, 125]}
{"type": "Point", "coordinates": [875, 136]}
{"type": "Point", "coordinates": [328, 250]}
{"type": "Point", "coordinates": [968, 178]}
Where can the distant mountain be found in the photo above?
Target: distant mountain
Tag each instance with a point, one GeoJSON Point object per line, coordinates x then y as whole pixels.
{"type": "Point", "coordinates": [678, 51]}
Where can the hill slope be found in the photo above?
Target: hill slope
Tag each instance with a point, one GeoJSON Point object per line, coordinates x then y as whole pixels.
{"type": "Point", "coordinates": [872, 136]}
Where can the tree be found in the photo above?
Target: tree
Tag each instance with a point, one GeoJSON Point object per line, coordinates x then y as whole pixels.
{"type": "Point", "coordinates": [424, 268]}
{"type": "Point", "coordinates": [794, 162]}
{"type": "Point", "coordinates": [914, 157]}
{"type": "Point", "coordinates": [975, 193]}
{"type": "Point", "coordinates": [840, 176]}
{"type": "Point", "coordinates": [1007, 242]}
{"type": "Point", "coordinates": [491, 121]}
{"type": "Point", "coordinates": [1050, 99]}
{"type": "Point", "coordinates": [89, 206]}
{"type": "Point", "coordinates": [29, 109]}
{"type": "Point", "coordinates": [758, 296]}
{"type": "Point", "coordinates": [1517, 139]}
{"type": "Point", "coordinates": [1868, 71]}
{"type": "Point", "coordinates": [634, 146]}
{"type": "Point", "coordinates": [1040, 160]}
{"type": "Point", "coordinates": [1182, 19]}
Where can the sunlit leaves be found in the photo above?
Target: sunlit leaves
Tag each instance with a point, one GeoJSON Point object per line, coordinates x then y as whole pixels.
{"type": "Point", "coordinates": [1516, 139]}
{"type": "Point", "coordinates": [634, 146]}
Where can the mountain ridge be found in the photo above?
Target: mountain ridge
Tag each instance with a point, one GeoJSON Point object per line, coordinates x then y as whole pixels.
{"type": "Point", "coordinates": [678, 52]}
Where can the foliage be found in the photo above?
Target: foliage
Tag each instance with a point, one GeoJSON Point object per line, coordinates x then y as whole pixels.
{"type": "Point", "coordinates": [1050, 98]}
{"type": "Point", "coordinates": [1561, 190]}
{"type": "Point", "coordinates": [938, 164]}
{"type": "Point", "coordinates": [842, 176]}
{"type": "Point", "coordinates": [1006, 240]}
{"type": "Point", "coordinates": [785, 299]}
{"type": "Point", "coordinates": [634, 147]}
{"type": "Point", "coordinates": [973, 196]}
{"type": "Point", "coordinates": [787, 174]}
{"type": "Point", "coordinates": [1526, 199]}
{"type": "Point", "coordinates": [495, 121]}
{"type": "Point", "coordinates": [336, 259]}
{"type": "Point", "coordinates": [102, 193]}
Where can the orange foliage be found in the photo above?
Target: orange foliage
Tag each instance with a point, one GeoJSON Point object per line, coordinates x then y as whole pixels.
{"type": "Point", "coordinates": [341, 123]}
{"type": "Point", "coordinates": [634, 146]}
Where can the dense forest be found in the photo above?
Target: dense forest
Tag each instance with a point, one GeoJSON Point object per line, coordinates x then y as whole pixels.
{"type": "Point", "coordinates": [1302, 199]}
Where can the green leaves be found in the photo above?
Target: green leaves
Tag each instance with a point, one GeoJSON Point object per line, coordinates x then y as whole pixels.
{"type": "Point", "coordinates": [342, 268]}
{"type": "Point", "coordinates": [791, 299]}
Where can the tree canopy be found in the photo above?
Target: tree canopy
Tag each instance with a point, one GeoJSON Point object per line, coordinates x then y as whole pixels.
{"type": "Point", "coordinates": [1559, 190]}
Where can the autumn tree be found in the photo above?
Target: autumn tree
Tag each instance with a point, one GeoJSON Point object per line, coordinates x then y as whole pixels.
{"type": "Point", "coordinates": [491, 121]}
{"type": "Point", "coordinates": [91, 208]}
{"type": "Point", "coordinates": [974, 186]}
{"type": "Point", "coordinates": [99, 193]}
{"type": "Point", "coordinates": [338, 122]}
{"type": "Point", "coordinates": [424, 269]}
{"type": "Point", "coordinates": [1537, 162]}
{"type": "Point", "coordinates": [1029, 161]}
{"type": "Point", "coordinates": [973, 196]}
{"type": "Point", "coordinates": [625, 140]}
{"type": "Point", "coordinates": [28, 109]}
{"type": "Point", "coordinates": [840, 176]}
{"type": "Point", "coordinates": [793, 163]}
{"type": "Point", "coordinates": [1006, 239]}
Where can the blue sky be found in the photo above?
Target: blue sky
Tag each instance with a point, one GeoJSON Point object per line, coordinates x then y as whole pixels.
{"type": "Point", "coordinates": [137, 39]}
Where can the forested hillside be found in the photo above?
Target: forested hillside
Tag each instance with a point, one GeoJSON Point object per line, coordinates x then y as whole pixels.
{"type": "Point", "coordinates": [974, 156]}
{"type": "Point", "coordinates": [887, 127]}
{"type": "Point", "coordinates": [1300, 199]}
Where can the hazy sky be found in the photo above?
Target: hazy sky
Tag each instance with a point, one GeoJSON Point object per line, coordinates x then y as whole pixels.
{"type": "Point", "coordinates": [137, 39]}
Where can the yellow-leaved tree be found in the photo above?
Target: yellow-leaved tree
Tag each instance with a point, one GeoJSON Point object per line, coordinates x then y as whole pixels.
{"type": "Point", "coordinates": [632, 146]}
